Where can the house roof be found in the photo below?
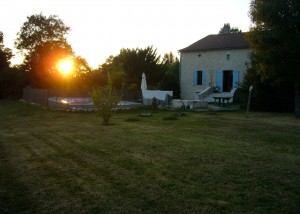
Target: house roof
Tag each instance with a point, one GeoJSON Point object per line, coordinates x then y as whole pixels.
{"type": "Point", "coordinates": [219, 42]}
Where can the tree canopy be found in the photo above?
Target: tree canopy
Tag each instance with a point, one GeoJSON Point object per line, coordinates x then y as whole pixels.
{"type": "Point", "coordinates": [129, 65]}
{"type": "Point", "coordinates": [227, 29]}
{"type": "Point", "coordinates": [275, 44]}
{"type": "Point", "coordinates": [39, 29]}
{"type": "Point", "coordinates": [42, 41]}
{"type": "Point", "coordinates": [42, 63]}
{"type": "Point", "coordinates": [170, 79]}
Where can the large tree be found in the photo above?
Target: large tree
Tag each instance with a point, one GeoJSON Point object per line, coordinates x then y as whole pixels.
{"type": "Point", "coordinates": [11, 79]}
{"type": "Point", "coordinates": [132, 63]}
{"type": "Point", "coordinates": [42, 41]}
{"type": "Point", "coordinates": [39, 29]}
{"type": "Point", "coordinates": [114, 67]}
{"type": "Point", "coordinates": [275, 44]}
{"type": "Point", "coordinates": [42, 63]}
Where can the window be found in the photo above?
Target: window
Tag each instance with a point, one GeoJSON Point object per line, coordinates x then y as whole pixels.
{"type": "Point", "coordinates": [199, 77]}
{"type": "Point", "coordinates": [228, 56]}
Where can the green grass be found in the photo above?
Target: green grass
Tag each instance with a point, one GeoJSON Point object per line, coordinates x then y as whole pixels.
{"type": "Point", "coordinates": [63, 162]}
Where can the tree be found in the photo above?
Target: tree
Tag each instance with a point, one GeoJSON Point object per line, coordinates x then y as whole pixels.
{"type": "Point", "coordinates": [11, 79]}
{"type": "Point", "coordinates": [81, 66]}
{"type": "Point", "coordinates": [170, 79]}
{"type": "Point", "coordinates": [266, 96]}
{"type": "Point", "coordinates": [42, 63]}
{"type": "Point", "coordinates": [42, 42]}
{"type": "Point", "coordinates": [131, 63]}
{"type": "Point", "coordinates": [105, 99]}
{"type": "Point", "coordinates": [5, 54]}
{"type": "Point", "coordinates": [95, 78]}
{"type": "Point", "coordinates": [115, 70]}
{"type": "Point", "coordinates": [84, 78]}
{"type": "Point", "coordinates": [227, 29]}
{"type": "Point", "coordinates": [39, 29]}
{"type": "Point", "coordinates": [275, 44]}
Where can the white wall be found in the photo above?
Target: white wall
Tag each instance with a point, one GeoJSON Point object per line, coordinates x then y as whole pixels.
{"type": "Point", "coordinates": [211, 62]}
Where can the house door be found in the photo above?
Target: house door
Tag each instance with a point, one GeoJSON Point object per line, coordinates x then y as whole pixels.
{"type": "Point", "coordinates": [227, 80]}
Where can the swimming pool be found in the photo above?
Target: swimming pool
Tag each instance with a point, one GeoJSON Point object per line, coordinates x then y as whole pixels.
{"type": "Point", "coordinates": [83, 103]}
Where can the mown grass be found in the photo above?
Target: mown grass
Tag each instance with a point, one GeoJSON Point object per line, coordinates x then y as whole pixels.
{"type": "Point", "coordinates": [63, 162]}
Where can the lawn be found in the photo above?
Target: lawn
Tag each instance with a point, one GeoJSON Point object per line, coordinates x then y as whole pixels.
{"type": "Point", "coordinates": [64, 162]}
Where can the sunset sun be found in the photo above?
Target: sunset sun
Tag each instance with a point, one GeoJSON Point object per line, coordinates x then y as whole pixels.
{"type": "Point", "coordinates": [65, 66]}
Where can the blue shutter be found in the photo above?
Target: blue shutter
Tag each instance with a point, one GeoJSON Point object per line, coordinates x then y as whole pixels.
{"type": "Point", "coordinates": [203, 77]}
{"type": "Point", "coordinates": [220, 80]}
{"type": "Point", "coordinates": [235, 82]}
{"type": "Point", "coordinates": [195, 77]}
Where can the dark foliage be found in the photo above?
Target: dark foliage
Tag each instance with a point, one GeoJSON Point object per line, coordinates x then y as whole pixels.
{"type": "Point", "coordinates": [265, 95]}
{"type": "Point", "coordinates": [170, 79]}
{"type": "Point", "coordinates": [12, 80]}
{"type": "Point", "coordinates": [275, 43]}
{"type": "Point", "coordinates": [127, 67]}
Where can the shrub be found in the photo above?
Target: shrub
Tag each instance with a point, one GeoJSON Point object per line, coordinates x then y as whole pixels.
{"type": "Point", "coordinates": [104, 100]}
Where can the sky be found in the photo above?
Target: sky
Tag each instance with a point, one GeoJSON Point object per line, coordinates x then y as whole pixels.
{"type": "Point", "coordinates": [101, 28]}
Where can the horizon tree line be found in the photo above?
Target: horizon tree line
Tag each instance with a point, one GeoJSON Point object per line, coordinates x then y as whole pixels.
{"type": "Point", "coordinates": [42, 41]}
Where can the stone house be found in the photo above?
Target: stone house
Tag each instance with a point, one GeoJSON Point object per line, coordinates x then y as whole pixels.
{"type": "Point", "coordinates": [216, 63]}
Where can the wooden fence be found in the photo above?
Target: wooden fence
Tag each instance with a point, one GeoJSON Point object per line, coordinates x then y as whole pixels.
{"type": "Point", "coordinates": [38, 96]}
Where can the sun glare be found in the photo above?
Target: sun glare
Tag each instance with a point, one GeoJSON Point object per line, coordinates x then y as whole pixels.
{"type": "Point", "coordinates": [65, 66]}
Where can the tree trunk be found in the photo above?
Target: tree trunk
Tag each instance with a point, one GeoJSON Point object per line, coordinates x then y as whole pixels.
{"type": "Point", "coordinates": [297, 100]}
{"type": "Point", "coordinates": [106, 120]}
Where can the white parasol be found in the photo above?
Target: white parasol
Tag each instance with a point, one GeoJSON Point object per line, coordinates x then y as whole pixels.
{"type": "Point", "coordinates": [143, 83]}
